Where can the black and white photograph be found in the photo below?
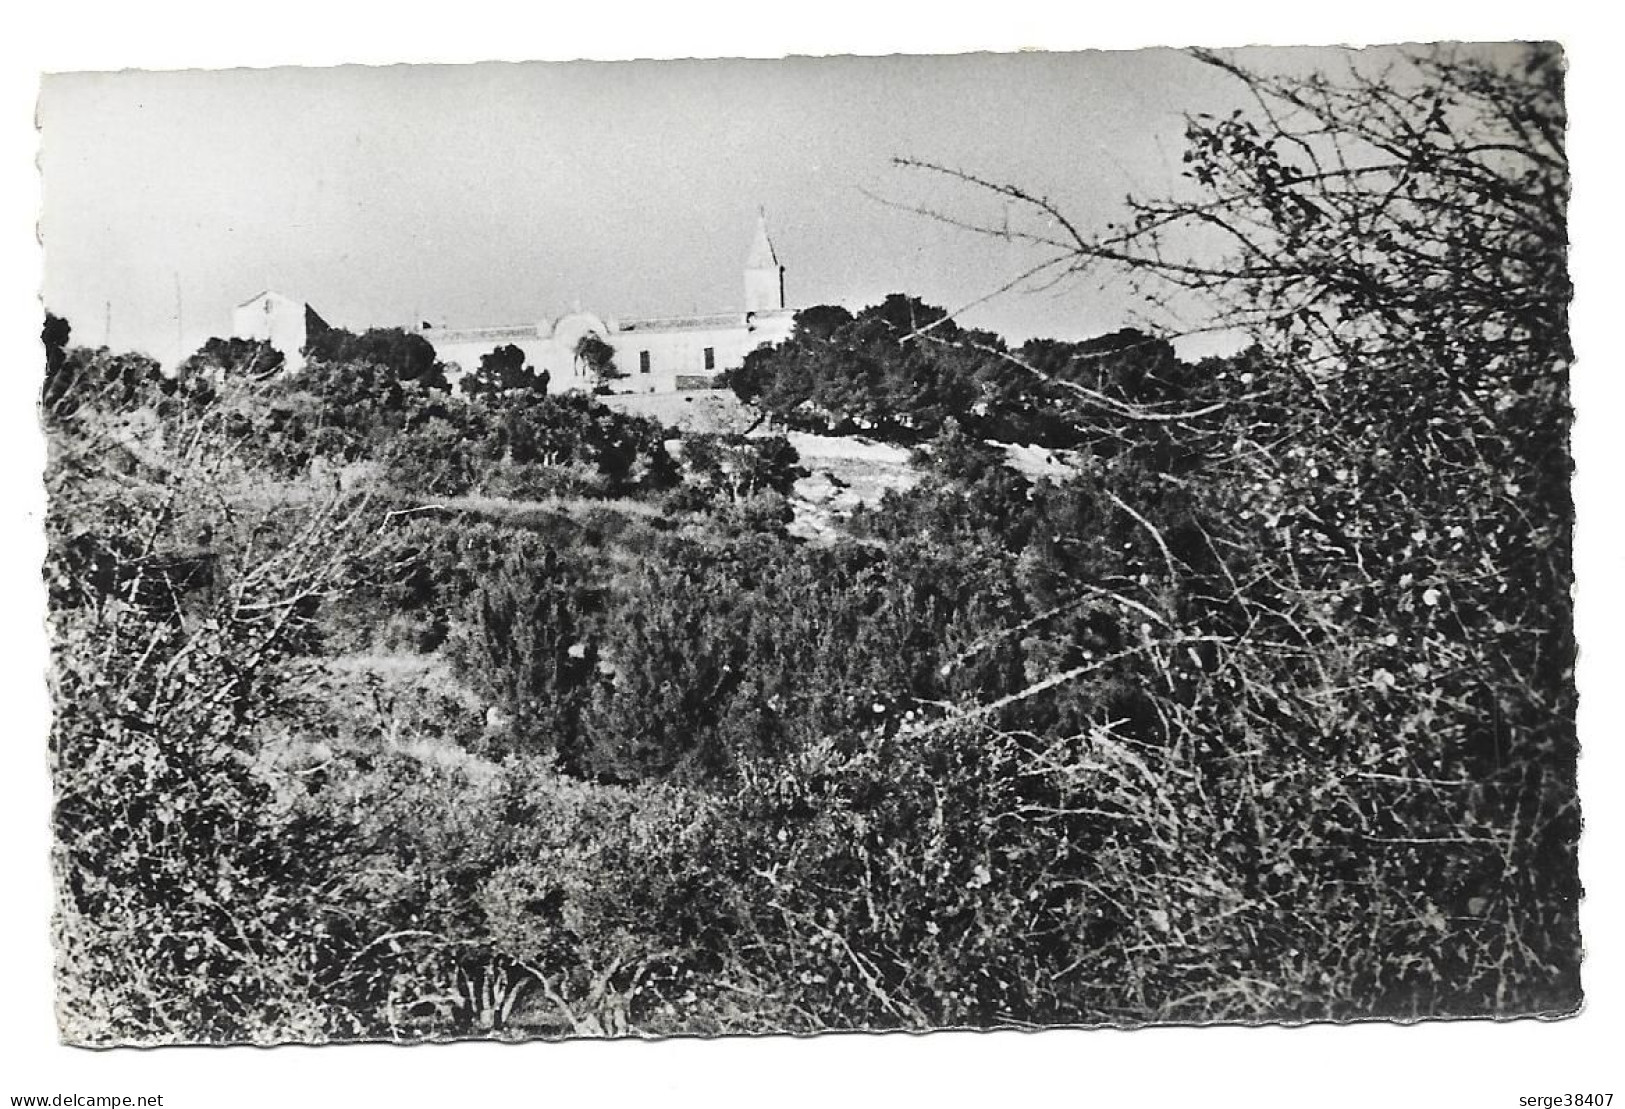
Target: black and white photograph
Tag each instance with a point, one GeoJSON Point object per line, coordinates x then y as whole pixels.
{"type": "Point", "coordinates": [715, 548]}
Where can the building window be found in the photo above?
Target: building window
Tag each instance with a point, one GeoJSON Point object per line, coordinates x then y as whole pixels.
{"type": "Point", "coordinates": [710, 358]}
{"type": "Point", "coordinates": [643, 361]}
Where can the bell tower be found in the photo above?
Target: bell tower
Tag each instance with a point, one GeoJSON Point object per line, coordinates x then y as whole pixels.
{"type": "Point", "coordinates": [764, 277]}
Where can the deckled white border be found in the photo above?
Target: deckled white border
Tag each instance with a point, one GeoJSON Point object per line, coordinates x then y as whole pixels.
{"type": "Point", "coordinates": [1448, 1064]}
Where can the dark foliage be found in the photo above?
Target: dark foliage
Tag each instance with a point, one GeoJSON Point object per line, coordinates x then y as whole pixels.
{"type": "Point", "coordinates": [236, 359]}
{"type": "Point", "coordinates": [408, 357]}
{"type": "Point", "coordinates": [594, 353]}
{"type": "Point", "coordinates": [504, 370]}
{"type": "Point", "coordinates": [55, 335]}
{"type": "Point", "coordinates": [114, 382]}
{"type": "Point", "coordinates": [899, 370]}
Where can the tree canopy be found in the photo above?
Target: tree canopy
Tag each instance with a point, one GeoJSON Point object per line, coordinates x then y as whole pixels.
{"type": "Point", "coordinates": [504, 370]}
{"type": "Point", "coordinates": [234, 357]}
{"type": "Point", "coordinates": [408, 356]}
{"type": "Point", "coordinates": [594, 352]}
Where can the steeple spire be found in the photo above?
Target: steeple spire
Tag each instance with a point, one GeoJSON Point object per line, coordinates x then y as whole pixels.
{"type": "Point", "coordinates": [764, 277]}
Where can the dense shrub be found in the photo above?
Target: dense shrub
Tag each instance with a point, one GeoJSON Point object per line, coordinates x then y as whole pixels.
{"type": "Point", "coordinates": [186, 895]}
{"type": "Point", "coordinates": [406, 356]}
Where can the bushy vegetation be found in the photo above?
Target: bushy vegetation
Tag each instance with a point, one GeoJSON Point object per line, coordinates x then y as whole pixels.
{"type": "Point", "coordinates": [388, 712]}
{"type": "Point", "coordinates": [504, 370]}
{"type": "Point", "coordinates": [901, 370]}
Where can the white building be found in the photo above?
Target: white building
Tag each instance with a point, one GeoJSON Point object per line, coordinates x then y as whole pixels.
{"type": "Point", "coordinates": [657, 354]}
{"type": "Point", "coordinates": [281, 321]}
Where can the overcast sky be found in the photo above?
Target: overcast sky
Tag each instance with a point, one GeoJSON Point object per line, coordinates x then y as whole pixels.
{"type": "Point", "coordinates": [504, 193]}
